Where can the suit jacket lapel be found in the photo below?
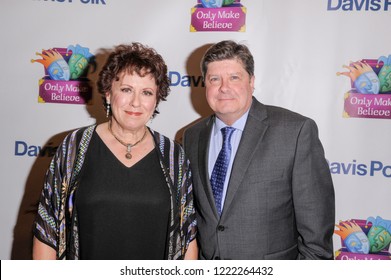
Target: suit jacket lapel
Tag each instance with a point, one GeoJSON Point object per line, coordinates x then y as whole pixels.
{"type": "Point", "coordinates": [203, 152]}
{"type": "Point", "coordinates": [251, 138]}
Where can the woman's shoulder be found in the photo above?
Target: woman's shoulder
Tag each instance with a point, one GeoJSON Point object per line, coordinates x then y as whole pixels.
{"type": "Point", "coordinates": [85, 128]}
{"type": "Point", "coordinates": [162, 139]}
{"type": "Point", "coordinates": [80, 133]}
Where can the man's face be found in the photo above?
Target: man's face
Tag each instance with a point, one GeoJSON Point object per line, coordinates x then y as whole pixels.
{"type": "Point", "coordinates": [229, 89]}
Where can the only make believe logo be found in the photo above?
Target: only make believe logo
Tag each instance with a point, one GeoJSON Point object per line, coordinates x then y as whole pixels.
{"type": "Point", "coordinates": [364, 239]}
{"type": "Point", "coordinates": [65, 78]}
{"type": "Point", "coordinates": [218, 15]}
{"type": "Point", "coordinates": [370, 93]}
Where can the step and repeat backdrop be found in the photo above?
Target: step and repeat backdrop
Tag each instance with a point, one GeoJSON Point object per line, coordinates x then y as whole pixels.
{"type": "Point", "coordinates": [327, 59]}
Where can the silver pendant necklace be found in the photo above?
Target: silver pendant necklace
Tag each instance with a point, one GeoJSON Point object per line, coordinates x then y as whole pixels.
{"type": "Point", "coordinates": [128, 146]}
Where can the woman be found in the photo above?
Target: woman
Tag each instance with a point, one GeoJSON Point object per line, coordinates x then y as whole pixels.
{"type": "Point", "coordinates": [120, 190]}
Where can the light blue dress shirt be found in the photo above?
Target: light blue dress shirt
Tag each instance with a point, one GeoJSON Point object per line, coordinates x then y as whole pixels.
{"type": "Point", "coordinates": [216, 143]}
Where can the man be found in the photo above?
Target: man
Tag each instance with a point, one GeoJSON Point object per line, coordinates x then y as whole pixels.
{"type": "Point", "coordinates": [276, 198]}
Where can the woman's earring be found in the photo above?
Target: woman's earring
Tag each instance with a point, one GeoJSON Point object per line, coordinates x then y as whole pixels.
{"type": "Point", "coordinates": [107, 110]}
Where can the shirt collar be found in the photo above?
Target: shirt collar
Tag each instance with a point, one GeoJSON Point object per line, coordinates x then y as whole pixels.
{"type": "Point", "coordinates": [238, 125]}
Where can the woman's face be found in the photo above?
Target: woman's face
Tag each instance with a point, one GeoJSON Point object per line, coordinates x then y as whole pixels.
{"type": "Point", "coordinates": [132, 100]}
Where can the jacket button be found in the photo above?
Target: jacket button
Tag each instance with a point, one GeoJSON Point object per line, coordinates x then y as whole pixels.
{"type": "Point", "coordinates": [220, 228]}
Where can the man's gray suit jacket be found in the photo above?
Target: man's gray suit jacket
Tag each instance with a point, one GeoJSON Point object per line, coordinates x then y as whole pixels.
{"type": "Point", "coordinates": [280, 198]}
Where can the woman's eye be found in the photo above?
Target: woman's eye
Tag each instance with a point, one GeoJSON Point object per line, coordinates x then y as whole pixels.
{"type": "Point", "coordinates": [126, 90]}
{"type": "Point", "coordinates": [147, 92]}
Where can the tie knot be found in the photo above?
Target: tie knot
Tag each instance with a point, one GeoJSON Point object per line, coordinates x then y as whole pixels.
{"type": "Point", "coordinates": [227, 133]}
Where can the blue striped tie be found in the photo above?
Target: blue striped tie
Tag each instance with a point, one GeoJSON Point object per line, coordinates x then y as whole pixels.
{"type": "Point", "coordinates": [220, 169]}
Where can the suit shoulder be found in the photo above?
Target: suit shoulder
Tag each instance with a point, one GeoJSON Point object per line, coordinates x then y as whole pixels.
{"type": "Point", "coordinates": [197, 126]}
{"type": "Point", "coordinates": [283, 114]}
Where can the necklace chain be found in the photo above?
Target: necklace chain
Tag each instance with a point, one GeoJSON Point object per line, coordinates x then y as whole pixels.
{"type": "Point", "coordinates": [128, 146]}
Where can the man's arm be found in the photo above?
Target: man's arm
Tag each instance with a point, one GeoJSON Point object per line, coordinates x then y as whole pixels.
{"type": "Point", "coordinates": [313, 196]}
